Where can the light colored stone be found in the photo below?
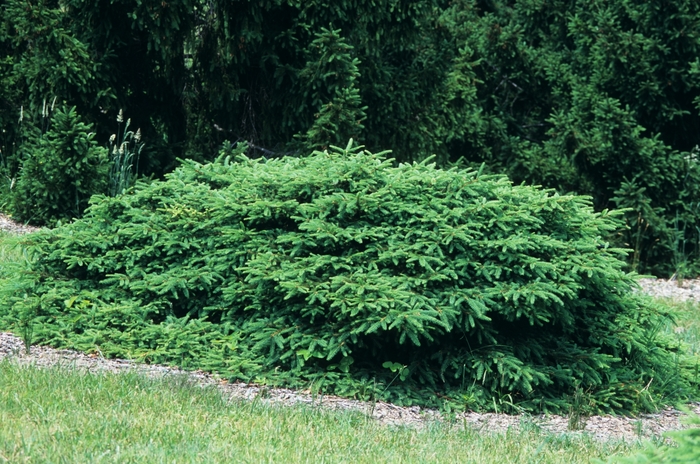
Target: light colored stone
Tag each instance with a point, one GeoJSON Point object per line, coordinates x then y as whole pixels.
{"type": "Point", "coordinates": [8, 225]}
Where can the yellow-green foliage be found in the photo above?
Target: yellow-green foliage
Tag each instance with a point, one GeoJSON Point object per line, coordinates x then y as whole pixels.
{"type": "Point", "coordinates": [363, 278]}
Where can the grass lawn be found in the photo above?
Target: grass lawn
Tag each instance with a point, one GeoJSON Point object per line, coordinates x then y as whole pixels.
{"type": "Point", "coordinates": [60, 415]}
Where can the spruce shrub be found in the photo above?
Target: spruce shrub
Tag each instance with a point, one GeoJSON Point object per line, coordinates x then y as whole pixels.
{"type": "Point", "coordinates": [60, 170]}
{"type": "Point", "coordinates": [356, 276]}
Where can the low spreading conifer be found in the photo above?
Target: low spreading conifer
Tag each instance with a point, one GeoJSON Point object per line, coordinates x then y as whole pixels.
{"type": "Point", "coordinates": [345, 271]}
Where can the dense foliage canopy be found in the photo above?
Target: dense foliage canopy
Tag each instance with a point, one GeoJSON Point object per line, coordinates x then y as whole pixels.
{"type": "Point", "coordinates": [338, 269]}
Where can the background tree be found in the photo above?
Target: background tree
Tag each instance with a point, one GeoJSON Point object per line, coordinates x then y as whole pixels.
{"type": "Point", "coordinates": [588, 97]}
{"type": "Point", "coordinates": [42, 62]}
{"type": "Point", "coordinates": [594, 97]}
{"type": "Point", "coordinates": [61, 170]}
{"type": "Point", "coordinates": [338, 102]}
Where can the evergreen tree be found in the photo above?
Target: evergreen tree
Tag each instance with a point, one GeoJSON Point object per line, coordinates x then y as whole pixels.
{"type": "Point", "coordinates": [329, 78]}
{"type": "Point", "coordinates": [589, 97]}
{"type": "Point", "coordinates": [61, 170]}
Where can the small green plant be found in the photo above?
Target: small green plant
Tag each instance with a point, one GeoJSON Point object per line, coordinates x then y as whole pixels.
{"type": "Point", "coordinates": [680, 256]}
{"type": "Point", "coordinates": [61, 169]}
{"type": "Point", "coordinates": [642, 219]}
{"type": "Point", "coordinates": [26, 329]}
{"type": "Point", "coordinates": [399, 369]}
{"type": "Point", "coordinates": [579, 410]}
{"type": "Point", "coordinates": [125, 151]}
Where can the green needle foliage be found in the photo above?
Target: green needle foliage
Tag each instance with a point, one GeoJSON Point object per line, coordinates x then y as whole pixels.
{"type": "Point", "coordinates": [340, 115]}
{"type": "Point", "coordinates": [61, 169]}
{"type": "Point", "coordinates": [360, 277]}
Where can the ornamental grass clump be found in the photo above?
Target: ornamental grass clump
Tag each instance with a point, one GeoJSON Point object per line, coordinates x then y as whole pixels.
{"type": "Point", "coordinates": [352, 275]}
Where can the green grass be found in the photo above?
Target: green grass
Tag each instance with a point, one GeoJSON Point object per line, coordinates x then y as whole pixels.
{"type": "Point", "coordinates": [687, 327]}
{"type": "Point", "coordinates": [63, 415]}
{"type": "Point", "coordinates": [686, 334]}
{"type": "Point", "coordinates": [9, 252]}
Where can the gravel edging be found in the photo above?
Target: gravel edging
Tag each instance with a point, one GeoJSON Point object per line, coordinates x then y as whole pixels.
{"type": "Point", "coordinates": [687, 290]}
{"type": "Point", "coordinates": [8, 225]}
{"type": "Point", "coordinates": [605, 427]}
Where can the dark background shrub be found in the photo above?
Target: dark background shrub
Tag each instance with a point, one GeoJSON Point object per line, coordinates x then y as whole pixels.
{"type": "Point", "coordinates": [593, 97]}
{"type": "Point", "coordinates": [60, 170]}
